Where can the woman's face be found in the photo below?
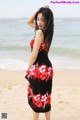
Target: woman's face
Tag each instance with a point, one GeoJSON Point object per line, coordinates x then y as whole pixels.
{"type": "Point", "coordinates": [41, 21]}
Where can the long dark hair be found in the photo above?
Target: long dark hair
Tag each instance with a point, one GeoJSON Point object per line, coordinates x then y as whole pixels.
{"type": "Point", "coordinates": [49, 27]}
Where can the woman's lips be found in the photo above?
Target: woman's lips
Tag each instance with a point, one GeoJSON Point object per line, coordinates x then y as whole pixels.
{"type": "Point", "coordinates": [40, 26]}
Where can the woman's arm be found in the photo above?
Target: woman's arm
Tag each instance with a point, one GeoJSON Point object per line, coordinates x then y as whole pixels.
{"type": "Point", "coordinates": [30, 21]}
{"type": "Point", "coordinates": [38, 40]}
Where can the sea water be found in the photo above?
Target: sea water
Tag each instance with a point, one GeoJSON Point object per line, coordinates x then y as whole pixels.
{"type": "Point", "coordinates": [15, 36]}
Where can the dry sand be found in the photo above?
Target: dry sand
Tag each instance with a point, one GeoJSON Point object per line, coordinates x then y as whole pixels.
{"type": "Point", "coordinates": [65, 95]}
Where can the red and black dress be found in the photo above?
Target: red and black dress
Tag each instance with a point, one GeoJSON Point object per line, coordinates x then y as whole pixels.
{"type": "Point", "coordinates": [40, 77]}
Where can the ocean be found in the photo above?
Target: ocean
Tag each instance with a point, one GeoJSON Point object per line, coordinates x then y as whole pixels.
{"type": "Point", "coordinates": [15, 36]}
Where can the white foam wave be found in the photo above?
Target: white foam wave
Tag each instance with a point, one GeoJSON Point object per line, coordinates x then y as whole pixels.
{"type": "Point", "coordinates": [58, 62]}
{"type": "Point", "coordinates": [12, 64]}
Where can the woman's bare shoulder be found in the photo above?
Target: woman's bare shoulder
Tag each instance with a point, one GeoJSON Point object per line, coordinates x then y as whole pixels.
{"type": "Point", "coordinates": [40, 33]}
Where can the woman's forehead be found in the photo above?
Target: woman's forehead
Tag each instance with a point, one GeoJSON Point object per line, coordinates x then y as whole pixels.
{"type": "Point", "coordinates": [40, 15]}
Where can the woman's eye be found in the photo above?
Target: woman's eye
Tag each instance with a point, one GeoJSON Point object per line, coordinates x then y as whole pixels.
{"type": "Point", "coordinates": [43, 20]}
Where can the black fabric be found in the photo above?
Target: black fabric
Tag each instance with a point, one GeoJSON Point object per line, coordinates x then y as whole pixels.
{"type": "Point", "coordinates": [40, 89]}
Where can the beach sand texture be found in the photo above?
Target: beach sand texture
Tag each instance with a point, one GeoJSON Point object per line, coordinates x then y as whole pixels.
{"type": "Point", "coordinates": [65, 95]}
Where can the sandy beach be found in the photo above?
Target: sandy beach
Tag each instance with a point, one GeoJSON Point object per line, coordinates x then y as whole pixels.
{"type": "Point", "coordinates": [65, 95]}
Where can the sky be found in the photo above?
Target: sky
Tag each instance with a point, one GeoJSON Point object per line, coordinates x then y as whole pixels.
{"type": "Point", "coordinates": [25, 8]}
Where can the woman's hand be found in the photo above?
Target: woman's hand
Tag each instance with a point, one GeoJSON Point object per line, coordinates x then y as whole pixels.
{"type": "Point", "coordinates": [46, 6]}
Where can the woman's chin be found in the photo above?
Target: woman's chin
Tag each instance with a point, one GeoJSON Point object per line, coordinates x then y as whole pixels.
{"type": "Point", "coordinates": [40, 27]}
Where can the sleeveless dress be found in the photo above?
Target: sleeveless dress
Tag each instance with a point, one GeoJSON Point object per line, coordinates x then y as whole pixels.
{"type": "Point", "coordinates": [40, 77]}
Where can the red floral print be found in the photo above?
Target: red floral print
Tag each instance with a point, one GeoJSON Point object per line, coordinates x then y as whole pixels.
{"type": "Point", "coordinates": [36, 101]}
{"type": "Point", "coordinates": [42, 72]}
{"type": "Point", "coordinates": [36, 73]}
{"type": "Point", "coordinates": [39, 100]}
{"type": "Point", "coordinates": [40, 76]}
{"type": "Point", "coordinates": [43, 75]}
{"type": "Point", "coordinates": [43, 46]}
{"type": "Point", "coordinates": [32, 43]}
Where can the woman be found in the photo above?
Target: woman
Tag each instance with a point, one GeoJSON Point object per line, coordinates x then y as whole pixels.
{"type": "Point", "coordinates": [39, 71]}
